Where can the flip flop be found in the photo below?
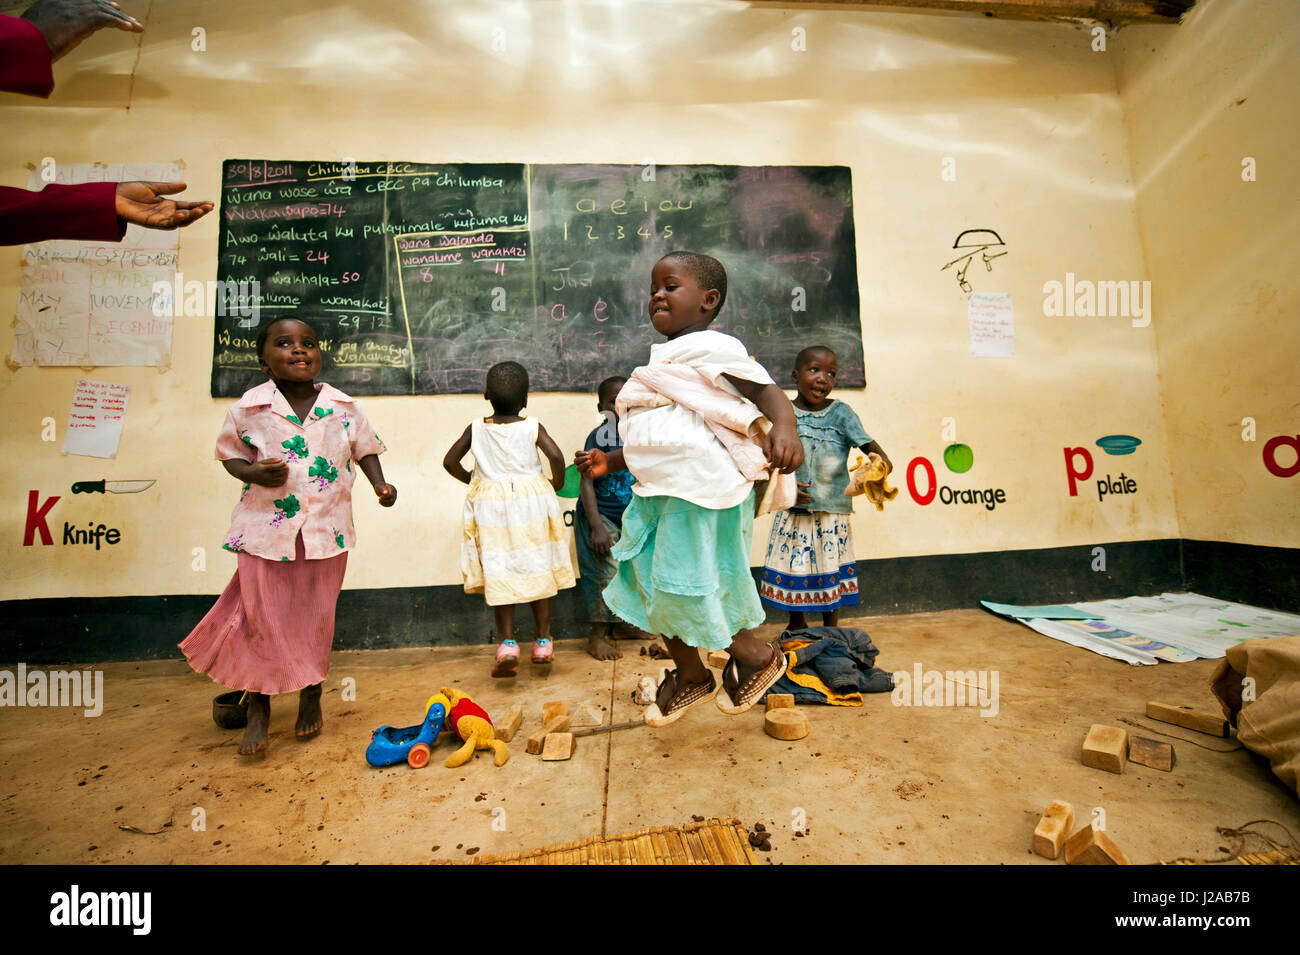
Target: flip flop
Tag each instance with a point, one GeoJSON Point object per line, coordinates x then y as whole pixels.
{"type": "Point", "coordinates": [680, 699]}
{"type": "Point", "coordinates": [735, 697]}
{"type": "Point", "coordinates": [507, 660]}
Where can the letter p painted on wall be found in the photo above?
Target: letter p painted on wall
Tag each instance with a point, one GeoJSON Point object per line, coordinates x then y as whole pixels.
{"type": "Point", "coordinates": [1075, 476]}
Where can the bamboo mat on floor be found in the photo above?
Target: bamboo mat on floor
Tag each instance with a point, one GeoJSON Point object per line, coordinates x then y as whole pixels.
{"type": "Point", "coordinates": [1272, 857]}
{"type": "Point", "coordinates": [711, 842]}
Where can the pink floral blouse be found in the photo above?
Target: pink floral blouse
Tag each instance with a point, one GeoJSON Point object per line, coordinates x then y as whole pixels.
{"type": "Point", "coordinates": [317, 497]}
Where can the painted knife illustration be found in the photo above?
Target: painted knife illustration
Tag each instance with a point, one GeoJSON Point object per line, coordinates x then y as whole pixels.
{"type": "Point", "coordinates": [116, 487]}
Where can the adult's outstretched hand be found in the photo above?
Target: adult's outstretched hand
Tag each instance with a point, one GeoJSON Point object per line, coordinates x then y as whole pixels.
{"type": "Point", "coordinates": [144, 204]}
{"type": "Point", "coordinates": [65, 23]}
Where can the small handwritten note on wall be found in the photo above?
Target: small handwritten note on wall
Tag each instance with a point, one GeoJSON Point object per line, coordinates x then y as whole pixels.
{"type": "Point", "coordinates": [95, 421]}
{"type": "Point", "coordinates": [992, 324]}
{"type": "Point", "coordinates": [91, 303]}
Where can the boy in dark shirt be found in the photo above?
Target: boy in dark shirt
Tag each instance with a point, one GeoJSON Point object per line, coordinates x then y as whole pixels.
{"type": "Point", "coordinates": [597, 525]}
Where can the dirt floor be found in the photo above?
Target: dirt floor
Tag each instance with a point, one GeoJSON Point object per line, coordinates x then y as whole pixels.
{"type": "Point", "coordinates": [874, 784]}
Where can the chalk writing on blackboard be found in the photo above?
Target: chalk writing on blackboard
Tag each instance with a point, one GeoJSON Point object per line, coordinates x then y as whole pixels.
{"type": "Point", "coordinates": [419, 276]}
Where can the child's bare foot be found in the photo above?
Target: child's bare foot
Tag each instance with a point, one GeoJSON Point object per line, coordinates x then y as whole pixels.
{"type": "Point", "coordinates": [259, 717]}
{"type": "Point", "coordinates": [625, 631]}
{"type": "Point", "coordinates": [599, 647]}
{"type": "Point", "coordinates": [310, 719]}
{"type": "Point", "coordinates": [658, 651]}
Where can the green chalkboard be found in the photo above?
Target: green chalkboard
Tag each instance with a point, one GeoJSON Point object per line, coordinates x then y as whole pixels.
{"type": "Point", "coordinates": [418, 277]}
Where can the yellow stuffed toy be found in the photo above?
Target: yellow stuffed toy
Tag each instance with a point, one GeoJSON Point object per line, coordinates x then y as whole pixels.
{"type": "Point", "coordinates": [469, 721]}
{"type": "Point", "coordinates": [868, 477]}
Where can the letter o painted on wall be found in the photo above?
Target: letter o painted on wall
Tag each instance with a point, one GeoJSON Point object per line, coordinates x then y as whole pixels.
{"type": "Point", "coordinates": [931, 481]}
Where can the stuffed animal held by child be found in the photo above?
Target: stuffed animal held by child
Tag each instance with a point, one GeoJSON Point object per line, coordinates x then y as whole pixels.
{"type": "Point", "coordinates": [868, 477]}
{"type": "Point", "coordinates": [468, 721]}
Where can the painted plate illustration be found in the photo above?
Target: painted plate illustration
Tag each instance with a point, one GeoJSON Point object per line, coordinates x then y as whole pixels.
{"type": "Point", "coordinates": [1118, 443]}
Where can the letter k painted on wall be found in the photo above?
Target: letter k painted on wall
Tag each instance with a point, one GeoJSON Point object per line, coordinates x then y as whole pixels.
{"type": "Point", "coordinates": [36, 519]}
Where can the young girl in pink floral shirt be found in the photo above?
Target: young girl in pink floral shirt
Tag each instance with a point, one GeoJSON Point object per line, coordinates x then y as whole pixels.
{"type": "Point", "coordinates": [293, 442]}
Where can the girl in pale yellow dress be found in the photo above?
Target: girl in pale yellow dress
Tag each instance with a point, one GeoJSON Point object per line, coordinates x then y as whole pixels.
{"type": "Point", "coordinates": [515, 548]}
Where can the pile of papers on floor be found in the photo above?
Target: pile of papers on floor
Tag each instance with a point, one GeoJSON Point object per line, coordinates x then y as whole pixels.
{"type": "Point", "coordinates": [1170, 628]}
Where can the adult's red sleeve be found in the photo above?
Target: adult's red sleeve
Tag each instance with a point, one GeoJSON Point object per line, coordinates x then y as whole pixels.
{"type": "Point", "coordinates": [24, 58]}
{"type": "Point", "coordinates": [85, 211]}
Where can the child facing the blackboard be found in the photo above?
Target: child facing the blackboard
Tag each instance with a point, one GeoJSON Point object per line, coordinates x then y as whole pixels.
{"type": "Point", "coordinates": [810, 565]}
{"type": "Point", "coordinates": [292, 441]}
{"type": "Point", "coordinates": [597, 525]}
{"type": "Point", "coordinates": [684, 551]}
{"type": "Point", "coordinates": [515, 546]}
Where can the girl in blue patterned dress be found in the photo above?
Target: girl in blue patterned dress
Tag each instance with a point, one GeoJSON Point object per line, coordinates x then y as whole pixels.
{"type": "Point", "coordinates": [810, 564]}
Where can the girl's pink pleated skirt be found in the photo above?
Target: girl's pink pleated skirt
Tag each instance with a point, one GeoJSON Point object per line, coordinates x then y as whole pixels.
{"type": "Point", "coordinates": [271, 630]}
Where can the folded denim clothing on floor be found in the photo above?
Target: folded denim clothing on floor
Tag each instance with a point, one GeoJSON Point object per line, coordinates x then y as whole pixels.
{"type": "Point", "coordinates": [833, 665]}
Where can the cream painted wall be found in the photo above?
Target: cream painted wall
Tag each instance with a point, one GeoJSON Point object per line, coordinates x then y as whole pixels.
{"type": "Point", "coordinates": [1029, 112]}
{"type": "Point", "coordinates": [1222, 253]}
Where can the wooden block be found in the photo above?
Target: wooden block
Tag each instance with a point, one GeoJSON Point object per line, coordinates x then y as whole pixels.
{"type": "Point", "coordinates": [553, 709]}
{"type": "Point", "coordinates": [1150, 752]}
{"type": "Point", "coordinates": [718, 658]}
{"type": "Point", "coordinates": [558, 746]}
{"type": "Point", "coordinates": [785, 723]}
{"type": "Point", "coordinates": [509, 725]}
{"type": "Point", "coordinates": [1053, 828]}
{"type": "Point", "coordinates": [1106, 747]}
{"type": "Point", "coordinates": [778, 701]}
{"type": "Point", "coordinates": [1090, 846]}
{"type": "Point", "coordinates": [559, 724]}
{"type": "Point", "coordinates": [1212, 723]}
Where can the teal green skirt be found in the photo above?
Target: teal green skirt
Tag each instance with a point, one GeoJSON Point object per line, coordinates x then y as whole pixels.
{"type": "Point", "coordinates": [683, 571]}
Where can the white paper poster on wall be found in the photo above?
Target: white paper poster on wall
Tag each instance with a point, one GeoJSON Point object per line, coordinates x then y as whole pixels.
{"type": "Point", "coordinates": [91, 303]}
{"type": "Point", "coordinates": [96, 418]}
{"type": "Point", "coordinates": [992, 324]}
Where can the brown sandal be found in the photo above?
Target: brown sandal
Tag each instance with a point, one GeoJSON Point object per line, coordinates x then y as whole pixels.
{"type": "Point", "coordinates": [680, 699]}
{"type": "Point", "coordinates": [736, 697]}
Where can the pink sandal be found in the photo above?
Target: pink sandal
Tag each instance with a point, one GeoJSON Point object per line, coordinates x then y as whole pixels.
{"type": "Point", "coordinates": [507, 660]}
{"type": "Point", "coordinates": [543, 651]}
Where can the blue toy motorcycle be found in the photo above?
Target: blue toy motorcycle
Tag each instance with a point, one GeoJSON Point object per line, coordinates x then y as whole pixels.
{"type": "Point", "coordinates": [390, 745]}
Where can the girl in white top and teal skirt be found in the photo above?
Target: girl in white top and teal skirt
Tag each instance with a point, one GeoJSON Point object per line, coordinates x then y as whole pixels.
{"type": "Point", "coordinates": [684, 552]}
